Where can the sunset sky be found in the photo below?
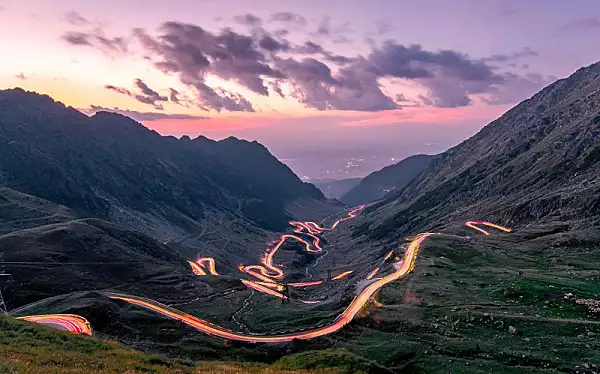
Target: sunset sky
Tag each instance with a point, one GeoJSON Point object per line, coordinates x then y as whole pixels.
{"type": "Point", "coordinates": [318, 82]}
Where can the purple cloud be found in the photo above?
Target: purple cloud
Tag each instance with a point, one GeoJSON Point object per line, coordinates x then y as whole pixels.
{"type": "Point", "coordinates": [146, 95]}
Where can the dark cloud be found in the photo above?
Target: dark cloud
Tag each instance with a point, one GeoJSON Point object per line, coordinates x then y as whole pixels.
{"type": "Point", "coordinates": [266, 62]}
{"type": "Point", "coordinates": [353, 88]}
{"type": "Point", "coordinates": [309, 47]}
{"type": "Point", "coordinates": [517, 87]}
{"type": "Point", "coordinates": [193, 52]}
{"type": "Point", "coordinates": [120, 90]}
{"type": "Point", "coordinates": [97, 40]}
{"type": "Point", "coordinates": [146, 95]}
{"type": "Point", "coordinates": [341, 39]}
{"type": "Point", "coordinates": [589, 23]}
{"type": "Point", "coordinates": [382, 28]}
{"type": "Point", "coordinates": [288, 17]}
{"type": "Point", "coordinates": [140, 116]}
{"type": "Point", "coordinates": [269, 43]}
{"type": "Point", "coordinates": [174, 96]}
{"type": "Point", "coordinates": [21, 76]}
{"type": "Point", "coordinates": [327, 29]}
{"type": "Point", "coordinates": [248, 20]}
{"type": "Point", "coordinates": [502, 58]}
{"type": "Point", "coordinates": [451, 77]}
{"type": "Point", "coordinates": [75, 19]}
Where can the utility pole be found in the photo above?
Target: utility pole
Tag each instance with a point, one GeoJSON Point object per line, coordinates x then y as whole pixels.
{"type": "Point", "coordinates": [286, 294]}
{"type": "Point", "coordinates": [3, 308]}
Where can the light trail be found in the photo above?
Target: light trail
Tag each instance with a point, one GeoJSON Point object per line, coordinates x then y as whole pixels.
{"type": "Point", "coordinates": [263, 289]}
{"type": "Point", "coordinates": [305, 284]}
{"type": "Point", "coordinates": [69, 322]}
{"type": "Point", "coordinates": [342, 320]}
{"type": "Point", "coordinates": [267, 272]}
{"type": "Point", "coordinates": [390, 253]}
{"type": "Point", "coordinates": [373, 273]}
{"type": "Point", "coordinates": [314, 227]}
{"type": "Point", "coordinates": [208, 262]}
{"type": "Point", "coordinates": [342, 275]}
{"type": "Point", "coordinates": [80, 325]}
{"type": "Point", "coordinates": [197, 269]}
{"type": "Point", "coordinates": [472, 224]}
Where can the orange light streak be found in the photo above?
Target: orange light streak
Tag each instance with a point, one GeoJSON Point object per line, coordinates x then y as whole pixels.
{"type": "Point", "coordinates": [69, 322]}
{"type": "Point", "coordinates": [342, 275]}
{"type": "Point", "coordinates": [373, 273]}
{"type": "Point", "coordinates": [472, 224]}
{"type": "Point", "coordinates": [208, 262]}
{"type": "Point", "coordinates": [305, 284]}
{"type": "Point", "coordinates": [263, 289]}
{"type": "Point", "coordinates": [196, 268]}
{"type": "Point", "coordinates": [342, 320]}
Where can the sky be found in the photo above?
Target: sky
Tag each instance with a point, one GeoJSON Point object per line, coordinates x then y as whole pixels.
{"type": "Point", "coordinates": [334, 88]}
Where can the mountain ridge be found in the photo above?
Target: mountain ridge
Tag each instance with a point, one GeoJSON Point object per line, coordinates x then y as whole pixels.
{"type": "Point", "coordinates": [108, 164]}
{"type": "Point", "coordinates": [531, 164]}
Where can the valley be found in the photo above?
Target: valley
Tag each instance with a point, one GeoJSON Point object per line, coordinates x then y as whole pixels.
{"type": "Point", "coordinates": [482, 258]}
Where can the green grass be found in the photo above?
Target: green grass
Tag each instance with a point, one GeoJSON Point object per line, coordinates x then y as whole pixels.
{"type": "Point", "coordinates": [28, 348]}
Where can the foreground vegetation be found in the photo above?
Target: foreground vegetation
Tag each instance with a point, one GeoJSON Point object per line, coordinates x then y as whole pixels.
{"type": "Point", "coordinates": [27, 348]}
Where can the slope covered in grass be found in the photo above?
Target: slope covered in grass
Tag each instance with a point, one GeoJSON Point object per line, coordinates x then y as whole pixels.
{"type": "Point", "coordinates": [27, 348]}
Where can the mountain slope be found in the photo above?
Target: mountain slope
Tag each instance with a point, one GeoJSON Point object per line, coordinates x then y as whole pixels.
{"type": "Point", "coordinates": [335, 188]}
{"type": "Point", "coordinates": [113, 168]}
{"type": "Point", "coordinates": [19, 211]}
{"type": "Point", "coordinates": [81, 255]}
{"type": "Point", "coordinates": [379, 183]}
{"type": "Point", "coordinates": [538, 162]}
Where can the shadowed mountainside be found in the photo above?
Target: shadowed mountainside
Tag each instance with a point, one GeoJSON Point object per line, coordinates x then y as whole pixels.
{"type": "Point", "coordinates": [539, 162]}
{"type": "Point", "coordinates": [391, 178]}
{"type": "Point", "coordinates": [114, 168]}
{"type": "Point", "coordinates": [335, 188]}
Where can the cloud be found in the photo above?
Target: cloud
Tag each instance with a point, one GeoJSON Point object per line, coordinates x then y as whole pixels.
{"type": "Point", "coordinates": [327, 29]}
{"type": "Point", "coordinates": [516, 88]}
{"type": "Point", "coordinates": [75, 19]}
{"type": "Point", "coordinates": [141, 116]}
{"type": "Point", "coordinates": [97, 40]}
{"type": "Point", "coordinates": [21, 76]}
{"type": "Point", "coordinates": [287, 17]}
{"type": "Point", "coordinates": [589, 23]}
{"type": "Point", "coordinates": [503, 58]}
{"type": "Point", "coordinates": [451, 77]}
{"type": "Point", "coordinates": [192, 53]}
{"type": "Point", "coordinates": [248, 20]}
{"type": "Point", "coordinates": [146, 95]}
{"type": "Point", "coordinates": [265, 62]}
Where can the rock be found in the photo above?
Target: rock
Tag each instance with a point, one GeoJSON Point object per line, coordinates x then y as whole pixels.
{"type": "Point", "coordinates": [512, 330]}
{"type": "Point", "coordinates": [586, 365]}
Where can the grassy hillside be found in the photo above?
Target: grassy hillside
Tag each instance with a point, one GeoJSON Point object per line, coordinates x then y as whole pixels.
{"type": "Point", "coordinates": [32, 349]}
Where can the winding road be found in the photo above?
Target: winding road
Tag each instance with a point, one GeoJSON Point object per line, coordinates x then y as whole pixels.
{"type": "Point", "coordinates": [267, 273]}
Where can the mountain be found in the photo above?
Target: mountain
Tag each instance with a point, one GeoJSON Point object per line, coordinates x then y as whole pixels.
{"type": "Point", "coordinates": [86, 254]}
{"type": "Point", "coordinates": [393, 177]}
{"type": "Point", "coordinates": [335, 188]}
{"type": "Point", "coordinates": [539, 162]}
{"type": "Point", "coordinates": [19, 211]}
{"type": "Point", "coordinates": [111, 167]}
